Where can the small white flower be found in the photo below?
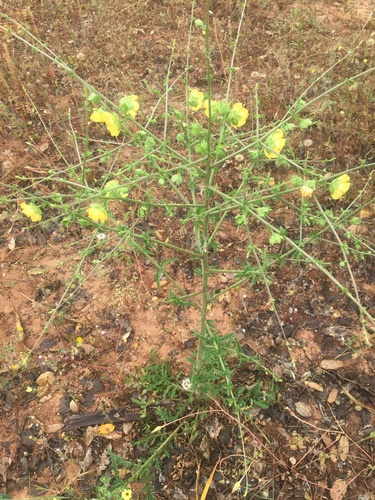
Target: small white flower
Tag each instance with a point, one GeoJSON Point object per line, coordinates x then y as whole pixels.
{"type": "Point", "coordinates": [186, 384]}
{"type": "Point", "coordinates": [101, 236]}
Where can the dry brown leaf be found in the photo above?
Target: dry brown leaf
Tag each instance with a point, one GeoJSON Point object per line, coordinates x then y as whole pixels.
{"type": "Point", "coordinates": [88, 348]}
{"type": "Point", "coordinates": [209, 481]}
{"type": "Point", "coordinates": [359, 230]}
{"type": "Point", "coordinates": [45, 398]}
{"type": "Point", "coordinates": [303, 409]}
{"type": "Point", "coordinates": [343, 448]}
{"type": "Point", "coordinates": [46, 378]}
{"type": "Point", "coordinates": [113, 435]}
{"type": "Point", "coordinates": [331, 364]}
{"type": "Point", "coordinates": [90, 434]}
{"type": "Point", "coordinates": [214, 428]}
{"type": "Point", "coordinates": [45, 381]}
{"type": "Point", "coordinates": [43, 147]}
{"type": "Point", "coordinates": [327, 440]}
{"type": "Point", "coordinates": [366, 213]}
{"type": "Point", "coordinates": [338, 490]}
{"type": "Point", "coordinates": [332, 449]}
{"type": "Point", "coordinates": [52, 428]}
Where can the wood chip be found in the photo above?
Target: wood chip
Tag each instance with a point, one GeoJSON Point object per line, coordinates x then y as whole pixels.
{"type": "Point", "coordinates": [332, 396]}
{"type": "Point", "coordinates": [314, 386]}
{"type": "Point", "coordinates": [331, 364]}
{"type": "Point", "coordinates": [343, 448]}
{"type": "Point", "coordinates": [73, 406]}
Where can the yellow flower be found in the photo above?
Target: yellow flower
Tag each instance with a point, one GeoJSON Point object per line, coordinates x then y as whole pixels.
{"type": "Point", "coordinates": [339, 186]}
{"type": "Point", "coordinates": [112, 192]}
{"type": "Point", "coordinates": [306, 191]}
{"type": "Point", "coordinates": [126, 494]}
{"type": "Point", "coordinates": [129, 105]}
{"type": "Point", "coordinates": [105, 429]}
{"type": "Point", "coordinates": [276, 142]}
{"type": "Point", "coordinates": [97, 213]}
{"type": "Point", "coordinates": [31, 211]}
{"type": "Point", "coordinates": [196, 99]}
{"type": "Point", "coordinates": [112, 121]}
{"type": "Point", "coordinates": [238, 115]}
{"type": "Point", "coordinates": [79, 341]}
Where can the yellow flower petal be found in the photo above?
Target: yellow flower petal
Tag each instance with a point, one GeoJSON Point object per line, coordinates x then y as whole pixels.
{"type": "Point", "coordinates": [339, 186]}
{"type": "Point", "coordinates": [238, 115]}
{"type": "Point", "coordinates": [196, 99]}
{"type": "Point", "coordinates": [113, 124]}
{"type": "Point", "coordinates": [31, 211]}
{"type": "Point", "coordinates": [99, 116]}
{"type": "Point", "coordinates": [306, 191]}
{"type": "Point", "coordinates": [111, 120]}
{"type": "Point", "coordinates": [126, 494]}
{"type": "Point", "coordinates": [97, 213]}
{"type": "Point", "coordinates": [129, 105]}
{"type": "Point", "coordinates": [275, 142]}
{"type": "Point", "coordinates": [106, 429]}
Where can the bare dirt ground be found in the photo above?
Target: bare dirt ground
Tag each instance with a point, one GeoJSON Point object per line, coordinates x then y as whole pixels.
{"type": "Point", "coordinates": [317, 433]}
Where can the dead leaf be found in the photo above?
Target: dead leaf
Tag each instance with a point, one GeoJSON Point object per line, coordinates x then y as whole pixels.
{"type": "Point", "coordinates": [127, 427]}
{"type": "Point", "coordinates": [88, 348]}
{"type": "Point", "coordinates": [87, 461]}
{"type": "Point", "coordinates": [45, 381]}
{"type": "Point", "coordinates": [366, 213]}
{"type": "Point", "coordinates": [214, 428]}
{"type": "Point", "coordinates": [52, 428]}
{"type": "Point", "coordinates": [90, 434]}
{"type": "Point", "coordinates": [43, 147]}
{"type": "Point", "coordinates": [360, 230]}
{"type": "Point", "coordinates": [104, 461]}
{"type": "Point", "coordinates": [303, 409]}
{"type": "Point", "coordinates": [45, 398]}
{"type": "Point", "coordinates": [332, 449]}
{"type": "Point", "coordinates": [331, 364]}
{"type": "Point", "coordinates": [343, 448]}
{"type": "Point", "coordinates": [314, 386]}
{"type": "Point", "coordinates": [46, 378]}
{"type": "Point", "coordinates": [338, 490]}
{"type": "Point", "coordinates": [209, 481]}
{"type": "Point", "coordinates": [113, 435]}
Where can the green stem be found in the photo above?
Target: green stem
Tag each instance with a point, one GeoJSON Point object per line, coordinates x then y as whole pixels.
{"type": "Point", "coordinates": [207, 197]}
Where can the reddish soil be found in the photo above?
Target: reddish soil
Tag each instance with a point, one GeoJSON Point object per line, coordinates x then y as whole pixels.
{"type": "Point", "coordinates": [321, 426]}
